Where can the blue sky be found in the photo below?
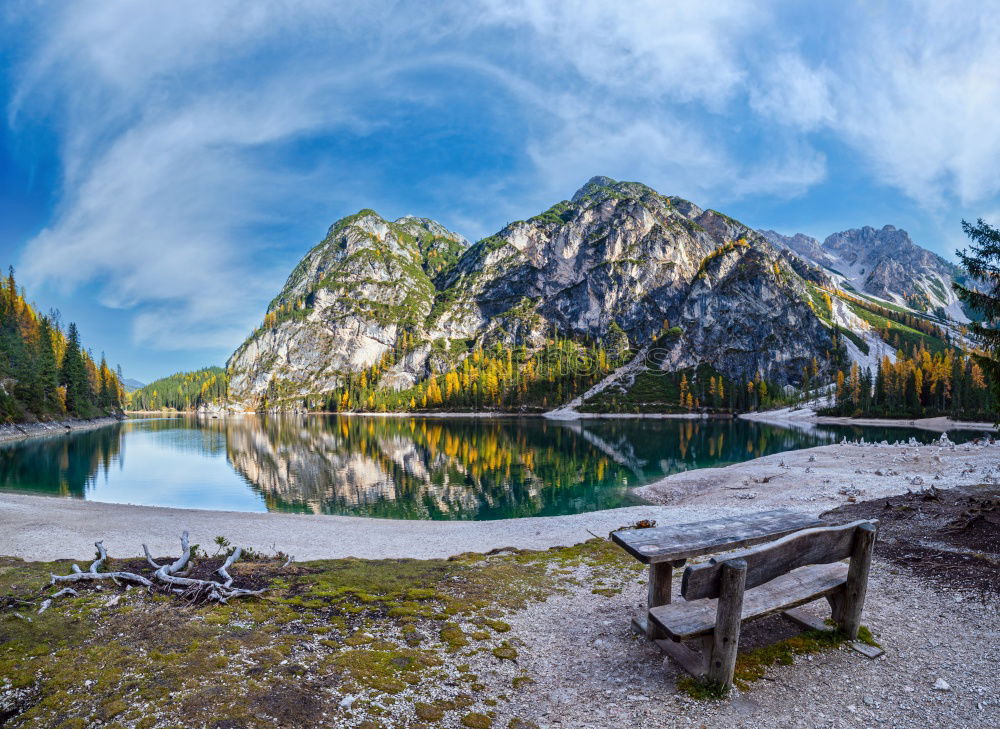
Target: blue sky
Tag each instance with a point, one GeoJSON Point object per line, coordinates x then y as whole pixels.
{"type": "Point", "coordinates": [163, 166]}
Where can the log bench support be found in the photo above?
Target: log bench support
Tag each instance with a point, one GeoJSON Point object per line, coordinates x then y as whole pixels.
{"type": "Point", "coordinates": [725, 639]}
{"type": "Point", "coordinates": [661, 575]}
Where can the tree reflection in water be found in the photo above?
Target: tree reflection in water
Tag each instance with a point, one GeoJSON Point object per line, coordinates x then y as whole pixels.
{"type": "Point", "coordinates": [411, 468]}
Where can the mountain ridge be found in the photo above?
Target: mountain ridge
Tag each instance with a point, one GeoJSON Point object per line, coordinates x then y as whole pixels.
{"type": "Point", "coordinates": [882, 262]}
{"type": "Point", "coordinates": [618, 260]}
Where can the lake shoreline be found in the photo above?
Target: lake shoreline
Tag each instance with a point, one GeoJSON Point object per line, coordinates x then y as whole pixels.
{"type": "Point", "coordinates": [790, 417]}
{"type": "Point", "coordinates": [23, 431]}
{"type": "Point", "coordinates": [787, 417]}
{"type": "Point", "coordinates": [811, 480]}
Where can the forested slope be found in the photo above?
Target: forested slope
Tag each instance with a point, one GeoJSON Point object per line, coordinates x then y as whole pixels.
{"type": "Point", "coordinates": [44, 372]}
{"type": "Point", "coordinates": [182, 391]}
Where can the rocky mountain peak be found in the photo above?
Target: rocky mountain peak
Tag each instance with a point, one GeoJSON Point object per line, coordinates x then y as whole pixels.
{"type": "Point", "coordinates": [592, 186]}
{"type": "Point", "coordinates": [883, 262]}
{"type": "Point", "coordinates": [618, 259]}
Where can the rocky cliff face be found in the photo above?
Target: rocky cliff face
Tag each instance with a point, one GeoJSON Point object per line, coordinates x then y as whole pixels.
{"type": "Point", "coordinates": [617, 257]}
{"type": "Point", "coordinates": [883, 262]}
{"type": "Point", "coordinates": [344, 306]}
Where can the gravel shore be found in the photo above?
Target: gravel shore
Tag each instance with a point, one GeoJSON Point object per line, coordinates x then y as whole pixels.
{"type": "Point", "coordinates": [592, 672]}
{"type": "Point", "coordinates": [20, 431]}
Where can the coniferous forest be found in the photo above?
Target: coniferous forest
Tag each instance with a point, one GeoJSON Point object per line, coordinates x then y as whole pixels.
{"type": "Point", "coordinates": [182, 391]}
{"type": "Point", "coordinates": [45, 373]}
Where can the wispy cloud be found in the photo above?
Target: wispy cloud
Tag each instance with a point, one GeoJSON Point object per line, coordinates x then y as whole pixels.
{"type": "Point", "coordinates": [190, 132]}
{"type": "Point", "coordinates": [917, 92]}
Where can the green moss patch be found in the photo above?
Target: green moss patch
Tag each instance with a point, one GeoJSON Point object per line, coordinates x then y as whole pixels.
{"type": "Point", "coordinates": [752, 665]}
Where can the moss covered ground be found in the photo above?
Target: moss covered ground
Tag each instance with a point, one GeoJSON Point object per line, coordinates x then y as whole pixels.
{"type": "Point", "coordinates": [353, 643]}
{"type": "Point", "coordinates": [338, 643]}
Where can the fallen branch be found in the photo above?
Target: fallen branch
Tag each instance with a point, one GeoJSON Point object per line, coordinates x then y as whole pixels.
{"type": "Point", "coordinates": [78, 575]}
{"type": "Point", "coordinates": [198, 590]}
{"type": "Point", "coordinates": [48, 601]}
{"type": "Point", "coordinates": [227, 564]}
{"type": "Point", "coordinates": [169, 575]}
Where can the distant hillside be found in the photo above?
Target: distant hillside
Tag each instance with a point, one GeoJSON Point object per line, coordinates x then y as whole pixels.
{"type": "Point", "coordinates": [45, 373]}
{"type": "Point", "coordinates": [131, 384]}
{"type": "Point", "coordinates": [182, 391]}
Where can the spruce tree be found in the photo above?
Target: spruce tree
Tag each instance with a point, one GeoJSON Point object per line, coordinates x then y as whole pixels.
{"type": "Point", "coordinates": [73, 376]}
{"type": "Point", "coordinates": [48, 370]}
{"type": "Point", "coordinates": [982, 261]}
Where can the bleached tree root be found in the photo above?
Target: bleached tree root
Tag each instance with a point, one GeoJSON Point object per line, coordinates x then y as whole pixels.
{"type": "Point", "coordinates": [167, 575]}
{"type": "Point", "coordinates": [78, 575]}
{"type": "Point", "coordinates": [48, 601]}
{"type": "Point", "coordinates": [198, 590]}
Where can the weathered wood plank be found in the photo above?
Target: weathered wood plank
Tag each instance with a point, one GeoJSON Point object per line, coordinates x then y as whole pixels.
{"type": "Point", "coordinates": [857, 580]}
{"type": "Point", "coordinates": [864, 649]}
{"type": "Point", "coordinates": [806, 620]}
{"type": "Point", "coordinates": [681, 541]}
{"type": "Point", "coordinates": [689, 619]}
{"type": "Point", "coordinates": [639, 622]}
{"type": "Point", "coordinates": [658, 593]}
{"type": "Point", "coordinates": [728, 616]}
{"type": "Point", "coordinates": [820, 545]}
{"type": "Point", "coordinates": [691, 661]}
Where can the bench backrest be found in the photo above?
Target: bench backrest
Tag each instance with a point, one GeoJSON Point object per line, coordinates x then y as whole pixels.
{"type": "Point", "coordinates": [820, 545]}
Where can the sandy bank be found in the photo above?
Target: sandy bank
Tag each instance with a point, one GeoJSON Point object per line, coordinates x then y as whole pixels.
{"type": "Point", "coordinates": [816, 479]}
{"type": "Point", "coordinates": [46, 527]}
{"type": "Point", "coordinates": [20, 431]}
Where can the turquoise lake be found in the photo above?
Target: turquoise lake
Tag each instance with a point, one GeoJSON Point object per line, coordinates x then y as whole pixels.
{"type": "Point", "coordinates": [407, 468]}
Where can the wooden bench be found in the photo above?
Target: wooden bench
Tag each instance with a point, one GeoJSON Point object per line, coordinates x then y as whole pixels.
{"type": "Point", "coordinates": [749, 584]}
{"type": "Point", "coordinates": [664, 548]}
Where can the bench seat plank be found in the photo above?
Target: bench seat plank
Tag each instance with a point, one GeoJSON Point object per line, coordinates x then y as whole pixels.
{"type": "Point", "coordinates": [690, 619]}
{"type": "Point", "coordinates": [682, 541]}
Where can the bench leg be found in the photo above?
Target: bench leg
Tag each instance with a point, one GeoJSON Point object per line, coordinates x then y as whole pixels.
{"type": "Point", "coordinates": [726, 638]}
{"type": "Point", "coordinates": [836, 601]}
{"type": "Point", "coordinates": [854, 592]}
{"type": "Point", "coordinates": [660, 576]}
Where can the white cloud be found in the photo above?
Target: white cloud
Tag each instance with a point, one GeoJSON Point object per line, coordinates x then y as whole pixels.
{"type": "Point", "coordinates": [918, 93]}
{"type": "Point", "coordinates": [169, 117]}
{"type": "Point", "coordinates": [789, 91]}
{"type": "Point", "coordinates": [164, 143]}
{"type": "Point", "coordinates": [688, 51]}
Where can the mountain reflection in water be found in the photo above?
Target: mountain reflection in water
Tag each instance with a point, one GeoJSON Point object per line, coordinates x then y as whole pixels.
{"type": "Point", "coordinates": [409, 468]}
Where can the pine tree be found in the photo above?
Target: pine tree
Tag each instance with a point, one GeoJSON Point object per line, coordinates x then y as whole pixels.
{"type": "Point", "coordinates": [73, 376]}
{"type": "Point", "coordinates": [983, 264]}
{"type": "Point", "coordinates": [48, 370]}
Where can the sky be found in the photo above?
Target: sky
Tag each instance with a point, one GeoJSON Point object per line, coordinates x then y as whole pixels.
{"type": "Point", "coordinates": [163, 166]}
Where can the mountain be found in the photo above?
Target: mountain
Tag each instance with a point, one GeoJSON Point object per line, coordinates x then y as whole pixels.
{"type": "Point", "coordinates": [617, 266]}
{"type": "Point", "coordinates": [346, 305]}
{"type": "Point", "coordinates": [131, 384]}
{"type": "Point", "coordinates": [882, 262]}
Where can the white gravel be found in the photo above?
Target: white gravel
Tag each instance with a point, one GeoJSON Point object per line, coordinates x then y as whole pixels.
{"type": "Point", "coordinates": [591, 671]}
{"type": "Point", "coordinates": [816, 479]}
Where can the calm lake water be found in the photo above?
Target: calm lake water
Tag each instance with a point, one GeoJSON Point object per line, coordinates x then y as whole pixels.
{"type": "Point", "coordinates": [409, 468]}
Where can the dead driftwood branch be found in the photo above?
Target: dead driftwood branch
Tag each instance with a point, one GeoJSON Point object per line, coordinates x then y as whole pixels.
{"type": "Point", "coordinates": [198, 590]}
{"type": "Point", "coordinates": [166, 575]}
{"type": "Point", "coordinates": [78, 575]}
{"type": "Point", "coordinates": [48, 601]}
